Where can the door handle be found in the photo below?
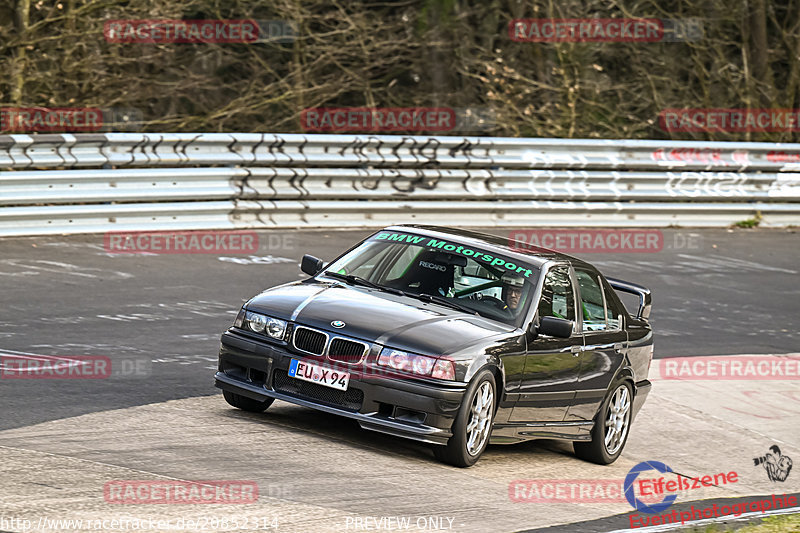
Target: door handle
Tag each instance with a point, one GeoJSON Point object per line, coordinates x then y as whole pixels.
{"type": "Point", "coordinates": [617, 346]}
{"type": "Point", "coordinates": [575, 349]}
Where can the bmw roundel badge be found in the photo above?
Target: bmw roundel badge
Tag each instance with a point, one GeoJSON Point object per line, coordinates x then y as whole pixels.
{"type": "Point", "coordinates": [338, 324]}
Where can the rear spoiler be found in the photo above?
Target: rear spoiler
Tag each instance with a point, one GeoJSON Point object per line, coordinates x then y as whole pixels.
{"type": "Point", "coordinates": [645, 299]}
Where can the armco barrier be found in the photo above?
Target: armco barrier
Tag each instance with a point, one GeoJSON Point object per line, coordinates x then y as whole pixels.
{"type": "Point", "coordinates": [98, 182]}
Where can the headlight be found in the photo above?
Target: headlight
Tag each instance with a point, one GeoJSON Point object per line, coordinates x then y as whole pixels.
{"type": "Point", "coordinates": [256, 322]}
{"type": "Point", "coordinates": [421, 365]}
{"type": "Point", "coordinates": [275, 328]}
{"type": "Point", "coordinates": [265, 324]}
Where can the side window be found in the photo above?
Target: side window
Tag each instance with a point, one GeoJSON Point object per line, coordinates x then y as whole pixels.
{"type": "Point", "coordinates": [592, 301]}
{"type": "Point", "coordinates": [557, 296]}
{"type": "Point", "coordinates": [612, 312]}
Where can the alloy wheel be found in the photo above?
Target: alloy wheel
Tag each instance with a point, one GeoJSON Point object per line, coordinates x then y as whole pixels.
{"type": "Point", "coordinates": [617, 419]}
{"type": "Point", "coordinates": [480, 416]}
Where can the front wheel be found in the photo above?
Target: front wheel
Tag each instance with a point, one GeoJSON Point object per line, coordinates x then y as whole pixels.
{"type": "Point", "coordinates": [246, 404]}
{"type": "Point", "coordinates": [473, 424]}
{"type": "Point", "coordinates": [610, 431]}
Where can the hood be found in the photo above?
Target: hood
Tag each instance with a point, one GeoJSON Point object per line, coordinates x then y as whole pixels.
{"type": "Point", "coordinates": [374, 316]}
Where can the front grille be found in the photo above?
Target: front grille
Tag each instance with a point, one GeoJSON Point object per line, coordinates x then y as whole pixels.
{"type": "Point", "coordinates": [350, 399]}
{"type": "Point", "coordinates": [346, 351]}
{"type": "Point", "coordinates": [309, 340]}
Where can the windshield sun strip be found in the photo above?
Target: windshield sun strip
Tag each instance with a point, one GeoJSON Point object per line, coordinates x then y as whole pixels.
{"type": "Point", "coordinates": [456, 248]}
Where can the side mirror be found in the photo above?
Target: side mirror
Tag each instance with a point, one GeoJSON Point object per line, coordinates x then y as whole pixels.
{"type": "Point", "coordinates": [311, 265]}
{"type": "Point", "coordinates": [555, 327]}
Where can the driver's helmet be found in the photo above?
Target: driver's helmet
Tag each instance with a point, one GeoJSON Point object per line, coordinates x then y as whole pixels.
{"type": "Point", "coordinates": [512, 293]}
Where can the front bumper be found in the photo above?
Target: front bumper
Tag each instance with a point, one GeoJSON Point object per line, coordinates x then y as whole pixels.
{"type": "Point", "coordinates": [410, 408]}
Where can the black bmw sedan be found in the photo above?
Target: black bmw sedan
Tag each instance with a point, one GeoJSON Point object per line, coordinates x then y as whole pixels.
{"type": "Point", "coordinates": [449, 337]}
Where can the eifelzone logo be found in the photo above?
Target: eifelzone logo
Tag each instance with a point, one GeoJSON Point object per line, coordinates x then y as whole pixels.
{"type": "Point", "coordinates": [630, 495]}
{"type": "Point", "coordinates": [432, 266]}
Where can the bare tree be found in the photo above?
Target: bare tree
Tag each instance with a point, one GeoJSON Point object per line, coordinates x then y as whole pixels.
{"type": "Point", "coordinates": [404, 53]}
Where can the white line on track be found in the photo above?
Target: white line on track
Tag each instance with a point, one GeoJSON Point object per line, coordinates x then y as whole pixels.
{"type": "Point", "coordinates": [57, 362]}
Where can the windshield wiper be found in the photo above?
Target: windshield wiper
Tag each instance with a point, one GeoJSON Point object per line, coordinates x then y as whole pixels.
{"type": "Point", "coordinates": [444, 301]}
{"type": "Point", "coordinates": [358, 280]}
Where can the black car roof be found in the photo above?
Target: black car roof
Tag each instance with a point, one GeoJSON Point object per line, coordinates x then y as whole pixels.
{"type": "Point", "coordinates": [532, 254]}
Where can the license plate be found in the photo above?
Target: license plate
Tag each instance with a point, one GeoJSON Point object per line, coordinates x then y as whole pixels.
{"type": "Point", "coordinates": [335, 379]}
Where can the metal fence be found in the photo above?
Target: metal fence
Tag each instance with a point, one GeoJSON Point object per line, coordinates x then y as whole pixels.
{"type": "Point", "coordinates": [92, 183]}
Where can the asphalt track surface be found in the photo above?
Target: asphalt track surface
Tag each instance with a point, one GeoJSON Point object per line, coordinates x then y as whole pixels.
{"type": "Point", "coordinates": [715, 292]}
{"type": "Point", "coordinates": [722, 292]}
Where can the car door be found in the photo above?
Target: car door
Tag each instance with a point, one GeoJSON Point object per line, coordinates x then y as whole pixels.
{"type": "Point", "coordinates": [547, 385]}
{"type": "Point", "coordinates": [605, 342]}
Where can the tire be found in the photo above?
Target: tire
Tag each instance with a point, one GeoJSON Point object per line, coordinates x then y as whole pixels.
{"type": "Point", "coordinates": [480, 400]}
{"type": "Point", "coordinates": [618, 407]}
{"type": "Point", "coordinates": [246, 404]}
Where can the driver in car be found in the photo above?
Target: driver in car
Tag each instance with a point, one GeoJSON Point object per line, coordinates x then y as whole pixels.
{"type": "Point", "coordinates": [512, 292]}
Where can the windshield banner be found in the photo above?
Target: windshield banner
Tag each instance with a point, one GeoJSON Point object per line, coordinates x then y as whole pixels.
{"type": "Point", "coordinates": [445, 246]}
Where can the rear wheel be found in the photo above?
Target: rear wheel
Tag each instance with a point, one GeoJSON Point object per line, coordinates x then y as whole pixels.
{"type": "Point", "coordinates": [473, 424]}
{"type": "Point", "coordinates": [246, 404]}
{"type": "Point", "coordinates": [610, 432]}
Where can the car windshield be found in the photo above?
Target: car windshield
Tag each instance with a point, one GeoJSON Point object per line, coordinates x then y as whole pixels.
{"type": "Point", "coordinates": [482, 282]}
